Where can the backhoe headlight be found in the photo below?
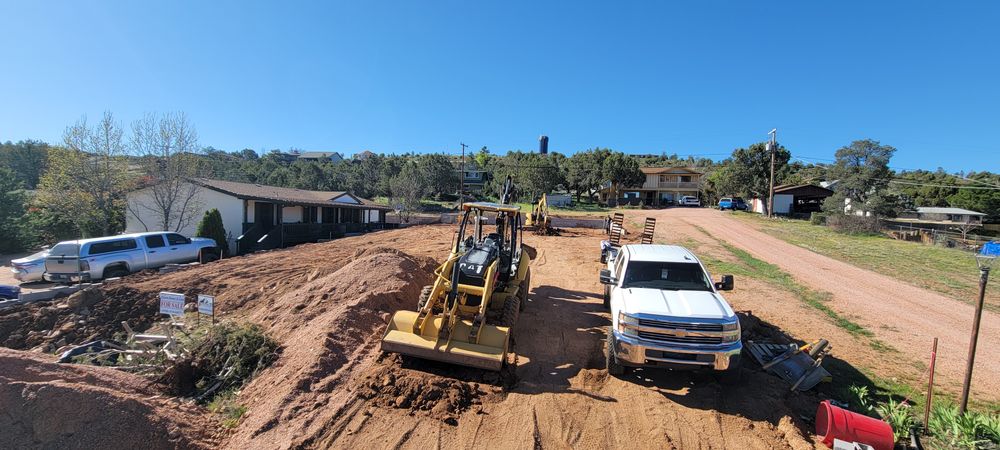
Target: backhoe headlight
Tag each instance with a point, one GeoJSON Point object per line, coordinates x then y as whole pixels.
{"type": "Point", "coordinates": [627, 324]}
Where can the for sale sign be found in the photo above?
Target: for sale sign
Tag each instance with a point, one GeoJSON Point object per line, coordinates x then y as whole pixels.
{"type": "Point", "coordinates": [206, 304]}
{"type": "Point", "coordinates": [172, 303]}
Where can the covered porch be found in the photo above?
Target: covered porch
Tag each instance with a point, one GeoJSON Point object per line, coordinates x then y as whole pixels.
{"type": "Point", "coordinates": [272, 224]}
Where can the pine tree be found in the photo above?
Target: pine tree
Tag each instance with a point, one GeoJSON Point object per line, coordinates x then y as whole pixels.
{"type": "Point", "coordinates": [211, 227]}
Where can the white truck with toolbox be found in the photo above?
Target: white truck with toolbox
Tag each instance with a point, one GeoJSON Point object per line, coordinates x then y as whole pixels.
{"type": "Point", "coordinates": [116, 256]}
{"type": "Point", "coordinates": [667, 312]}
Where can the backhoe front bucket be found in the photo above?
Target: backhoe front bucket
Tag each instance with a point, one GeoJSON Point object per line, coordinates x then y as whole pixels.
{"type": "Point", "coordinates": [489, 353]}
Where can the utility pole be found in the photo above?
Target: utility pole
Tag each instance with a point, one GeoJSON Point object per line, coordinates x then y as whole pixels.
{"type": "Point", "coordinates": [985, 259]}
{"type": "Point", "coordinates": [772, 146]}
{"type": "Point", "coordinates": [461, 178]}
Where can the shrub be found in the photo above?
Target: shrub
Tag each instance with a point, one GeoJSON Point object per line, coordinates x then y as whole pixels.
{"type": "Point", "coordinates": [851, 224]}
{"type": "Point", "coordinates": [211, 227]}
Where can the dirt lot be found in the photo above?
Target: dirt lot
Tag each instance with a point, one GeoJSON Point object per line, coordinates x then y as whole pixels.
{"type": "Point", "coordinates": [327, 304]}
{"type": "Point", "coordinates": [905, 317]}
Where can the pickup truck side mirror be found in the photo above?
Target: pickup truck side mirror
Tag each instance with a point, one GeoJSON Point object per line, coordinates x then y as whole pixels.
{"type": "Point", "coordinates": [607, 277]}
{"type": "Point", "coordinates": [726, 284]}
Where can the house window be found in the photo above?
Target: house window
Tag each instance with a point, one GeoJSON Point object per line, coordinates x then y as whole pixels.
{"type": "Point", "coordinates": [631, 195]}
{"type": "Point", "coordinates": [685, 178]}
{"type": "Point", "coordinates": [664, 178]}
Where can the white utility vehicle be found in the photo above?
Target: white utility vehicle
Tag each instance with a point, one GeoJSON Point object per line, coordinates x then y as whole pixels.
{"type": "Point", "coordinates": [667, 312]}
{"type": "Point", "coordinates": [116, 256]}
{"type": "Point", "coordinates": [689, 200]}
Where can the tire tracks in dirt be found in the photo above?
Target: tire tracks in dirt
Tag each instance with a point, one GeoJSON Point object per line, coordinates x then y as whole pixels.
{"type": "Point", "coordinates": [904, 316]}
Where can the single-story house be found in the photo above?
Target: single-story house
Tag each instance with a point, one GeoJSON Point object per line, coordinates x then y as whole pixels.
{"type": "Point", "coordinates": [938, 218]}
{"type": "Point", "coordinates": [663, 186]}
{"type": "Point", "coordinates": [473, 179]}
{"type": "Point", "coordinates": [259, 217]}
{"type": "Point", "coordinates": [794, 199]}
{"type": "Point", "coordinates": [321, 156]}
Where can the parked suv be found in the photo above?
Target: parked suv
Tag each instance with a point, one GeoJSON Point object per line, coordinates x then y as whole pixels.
{"type": "Point", "coordinates": [667, 312]}
{"type": "Point", "coordinates": [116, 256]}
{"type": "Point", "coordinates": [733, 203]}
{"type": "Point", "coordinates": [689, 200]}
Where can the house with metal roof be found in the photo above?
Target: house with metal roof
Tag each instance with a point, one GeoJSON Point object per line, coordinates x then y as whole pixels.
{"type": "Point", "coordinates": [794, 199]}
{"type": "Point", "coordinates": [255, 216]}
{"type": "Point", "coordinates": [944, 216]}
{"type": "Point", "coordinates": [321, 156]}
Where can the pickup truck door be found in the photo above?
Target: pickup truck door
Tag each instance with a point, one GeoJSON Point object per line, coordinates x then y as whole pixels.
{"type": "Point", "coordinates": [157, 252]}
{"type": "Point", "coordinates": [182, 250]}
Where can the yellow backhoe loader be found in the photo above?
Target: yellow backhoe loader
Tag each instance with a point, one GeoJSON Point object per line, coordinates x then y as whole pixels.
{"type": "Point", "coordinates": [538, 218]}
{"type": "Point", "coordinates": [467, 316]}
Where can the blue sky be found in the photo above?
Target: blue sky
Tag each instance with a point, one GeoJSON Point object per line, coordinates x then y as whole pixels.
{"type": "Point", "coordinates": [695, 78]}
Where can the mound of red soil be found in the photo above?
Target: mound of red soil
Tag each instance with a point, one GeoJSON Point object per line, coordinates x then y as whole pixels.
{"type": "Point", "coordinates": [51, 405]}
{"type": "Point", "coordinates": [82, 317]}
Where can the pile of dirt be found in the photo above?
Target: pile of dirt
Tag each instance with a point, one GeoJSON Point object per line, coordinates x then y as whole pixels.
{"type": "Point", "coordinates": [330, 329]}
{"type": "Point", "coordinates": [51, 405]}
{"type": "Point", "coordinates": [84, 316]}
{"type": "Point", "coordinates": [435, 396]}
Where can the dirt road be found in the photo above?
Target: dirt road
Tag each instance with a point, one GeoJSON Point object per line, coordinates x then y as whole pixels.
{"type": "Point", "coordinates": [904, 316]}
{"type": "Point", "coordinates": [564, 399]}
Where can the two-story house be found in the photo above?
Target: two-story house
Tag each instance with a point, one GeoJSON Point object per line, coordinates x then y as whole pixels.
{"type": "Point", "coordinates": [663, 186]}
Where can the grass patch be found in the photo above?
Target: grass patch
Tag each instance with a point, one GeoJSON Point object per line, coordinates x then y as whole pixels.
{"type": "Point", "coordinates": [949, 271]}
{"type": "Point", "coordinates": [582, 208]}
{"type": "Point", "coordinates": [226, 405]}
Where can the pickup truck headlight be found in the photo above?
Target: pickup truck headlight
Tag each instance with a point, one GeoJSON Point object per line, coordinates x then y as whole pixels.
{"type": "Point", "coordinates": [731, 332]}
{"type": "Point", "coordinates": [84, 265]}
{"type": "Point", "coordinates": [627, 324]}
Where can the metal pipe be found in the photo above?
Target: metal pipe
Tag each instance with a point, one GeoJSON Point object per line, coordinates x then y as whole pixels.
{"type": "Point", "coordinates": [930, 386]}
{"type": "Point", "coordinates": [984, 275]}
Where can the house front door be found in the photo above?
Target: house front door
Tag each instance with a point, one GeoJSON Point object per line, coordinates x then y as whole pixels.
{"type": "Point", "coordinates": [263, 214]}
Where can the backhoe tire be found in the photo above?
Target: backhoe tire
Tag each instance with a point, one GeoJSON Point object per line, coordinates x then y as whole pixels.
{"type": "Point", "coordinates": [511, 310]}
{"type": "Point", "coordinates": [611, 361]}
{"type": "Point", "coordinates": [425, 294]}
{"type": "Point", "coordinates": [607, 297]}
{"type": "Point", "coordinates": [523, 293]}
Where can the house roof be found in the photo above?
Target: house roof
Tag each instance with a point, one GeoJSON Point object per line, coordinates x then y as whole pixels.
{"type": "Point", "coordinates": [656, 170]}
{"type": "Point", "coordinates": [317, 155]}
{"type": "Point", "coordinates": [936, 210]}
{"type": "Point", "coordinates": [249, 191]}
{"type": "Point", "coordinates": [803, 189]}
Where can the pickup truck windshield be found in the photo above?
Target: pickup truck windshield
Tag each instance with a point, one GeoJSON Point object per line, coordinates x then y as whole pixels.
{"type": "Point", "coordinates": [670, 276]}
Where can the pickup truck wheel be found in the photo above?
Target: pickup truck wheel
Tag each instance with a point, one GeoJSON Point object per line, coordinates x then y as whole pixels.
{"type": "Point", "coordinates": [207, 256]}
{"type": "Point", "coordinates": [611, 361]}
{"type": "Point", "coordinates": [115, 272]}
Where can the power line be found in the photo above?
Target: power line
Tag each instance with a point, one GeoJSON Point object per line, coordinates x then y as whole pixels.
{"type": "Point", "coordinates": [914, 183]}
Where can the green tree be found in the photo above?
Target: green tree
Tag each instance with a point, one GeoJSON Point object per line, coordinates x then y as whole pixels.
{"type": "Point", "coordinates": [211, 227]}
{"type": "Point", "coordinates": [986, 201]}
{"type": "Point", "coordinates": [863, 174]}
{"type": "Point", "coordinates": [438, 174]}
{"type": "Point", "coordinates": [407, 189]}
{"type": "Point", "coordinates": [621, 171]}
{"type": "Point", "coordinates": [533, 174]}
{"type": "Point", "coordinates": [88, 180]}
{"type": "Point", "coordinates": [26, 160]}
{"type": "Point", "coordinates": [11, 209]}
{"type": "Point", "coordinates": [750, 170]}
{"type": "Point", "coordinates": [585, 171]}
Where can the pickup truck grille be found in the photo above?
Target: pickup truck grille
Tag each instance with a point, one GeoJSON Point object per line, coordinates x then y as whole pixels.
{"type": "Point", "coordinates": [662, 337]}
{"type": "Point", "coordinates": [680, 325]}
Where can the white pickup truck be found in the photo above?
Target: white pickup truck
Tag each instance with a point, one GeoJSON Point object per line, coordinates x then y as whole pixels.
{"type": "Point", "coordinates": [667, 312]}
{"type": "Point", "coordinates": [115, 256]}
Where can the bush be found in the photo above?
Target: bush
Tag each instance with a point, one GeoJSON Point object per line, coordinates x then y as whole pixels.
{"type": "Point", "coordinates": [853, 224]}
{"type": "Point", "coordinates": [211, 227]}
{"type": "Point", "coordinates": [817, 218]}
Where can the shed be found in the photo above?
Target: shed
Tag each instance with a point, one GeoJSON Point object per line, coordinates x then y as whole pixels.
{"type": "Point", "coordinates": [795, 199]}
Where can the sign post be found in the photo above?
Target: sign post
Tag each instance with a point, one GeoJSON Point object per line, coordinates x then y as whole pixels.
{"type": "Point", "coordinates": [206, 305]}
{"type": "Point", "coordinates": [172, 304]}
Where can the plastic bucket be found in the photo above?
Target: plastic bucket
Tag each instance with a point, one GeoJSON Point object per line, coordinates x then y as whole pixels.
{"type": "Point", "coordinates": [836, 423]}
